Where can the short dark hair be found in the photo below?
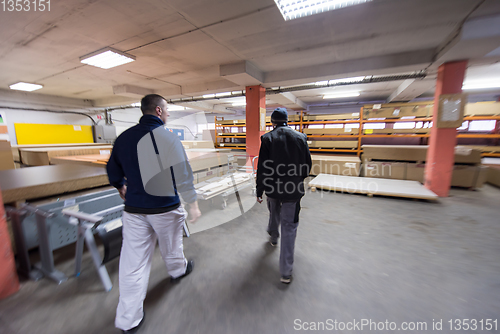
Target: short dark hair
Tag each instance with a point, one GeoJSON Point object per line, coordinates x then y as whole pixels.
{"type": "Point", "coordinates": [150, 102]}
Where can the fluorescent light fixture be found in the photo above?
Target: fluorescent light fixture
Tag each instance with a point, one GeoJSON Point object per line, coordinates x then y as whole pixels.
{"type": "Point", "coordinates": [27, 87]}
{"type": "Point", "coordinates": [208, 96]}
{"type": "Point", "coordinates": [483, 84]}
{"type": "Point", "coordinates": [340, 95]}
{"type": "Point", "coordinates": [223, 94]}
{"type": "Point", "coordinates": [173, 107]}
{"type": "Point", "coordinates": [293, 9]}
{"type": "Point", "coordinates": [236, 104]}
{"type": "Point", "coordinates": [107, 58]}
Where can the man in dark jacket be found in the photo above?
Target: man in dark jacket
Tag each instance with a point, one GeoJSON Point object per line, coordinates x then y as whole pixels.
{"type": "Point", "coordinates": [284, 163]}
{"type": "Point", "coordinates": [149, 168]}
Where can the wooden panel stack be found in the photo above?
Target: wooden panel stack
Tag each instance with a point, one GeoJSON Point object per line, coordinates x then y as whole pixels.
{"type": "Point", "coordinates": [6, 158]}
{"type": "Point", "coordinates": [335, 165]}
{"type": "Point", "coordinates": [42, 156]}
{"type": "Point", "coordinates": [408, 163]}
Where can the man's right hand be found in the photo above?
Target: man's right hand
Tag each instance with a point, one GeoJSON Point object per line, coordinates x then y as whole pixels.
{"type": "Point", "coordinates": [194, 212]}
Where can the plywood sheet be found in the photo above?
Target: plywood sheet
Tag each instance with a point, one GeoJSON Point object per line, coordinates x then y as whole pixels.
{"type": "Point", "coordinates": [494, 175]}
{"type": "Point", "coordinates": [6, 158]}
{"type": "Point", "coordinates": [332, 131]}
{"type": "Point", "coordinates": [96, 160]}
{"type": "Point", "coordinates": [16, 148]}
{"type": "Point", "coordinates": [197, 143]}
{"type": "Point", "coordinates": [333, 143]}
{"type": "Point", "coordinates": [463, 154]}
{"type": "Point", "coordinates": [372, 186]}
{"type": "Point", "coordinates": [198, 159]}
{"type": "Point", "coordinates": [37, 182]}
{"type": "Point", "coordinates": [482, 108]}
{"type": "Point", "coordinates": [43, 156]}
{"type": "Point", "coordinates": [330, 117]}
{"type": "Point", "coordinates": [335, 164]}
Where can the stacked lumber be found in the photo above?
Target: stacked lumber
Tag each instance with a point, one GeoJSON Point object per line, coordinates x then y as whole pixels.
{"type": "Point", "coordinates": [406, 162]}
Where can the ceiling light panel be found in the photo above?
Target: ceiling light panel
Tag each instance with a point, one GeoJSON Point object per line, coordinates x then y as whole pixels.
{"type": "Point", "coordinates": [341, 95]}
{"type": "Point", "coordinates": [107, 58]}
{"type": "Point", "coordinates": [294, 9]}
{"type": "Point", "coordinates": [483, 84]}
{"type": "Point", "coordinates": [24, 86]}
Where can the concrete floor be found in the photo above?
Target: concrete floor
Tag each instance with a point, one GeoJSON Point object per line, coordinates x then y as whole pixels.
{"type": "Point", "coordinates": [357, 259]}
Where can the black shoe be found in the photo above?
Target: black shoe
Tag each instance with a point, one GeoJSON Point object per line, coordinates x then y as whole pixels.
{"type": "Point", "coordinates": [189, 269]}
{"type": "Point", "coordinates": [286, 279]}
{"type": "Point", "coordinates": [136, 328]}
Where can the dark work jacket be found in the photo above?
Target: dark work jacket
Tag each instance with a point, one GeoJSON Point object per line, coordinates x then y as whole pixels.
{"type": "Point", "coordinates": [284, 163]}
{"type": "Point", "coordinates": [123, 168]}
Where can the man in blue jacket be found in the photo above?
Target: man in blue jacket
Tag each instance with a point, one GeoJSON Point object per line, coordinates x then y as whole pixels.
{"type": "Point", "coordinates": [284, 163]}
{"type": "Point", "coordinates": [149, 167]}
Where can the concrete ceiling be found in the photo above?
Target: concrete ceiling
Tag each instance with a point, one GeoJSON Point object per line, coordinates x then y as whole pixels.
{"type": "Point", "coordinates": [191, 48]}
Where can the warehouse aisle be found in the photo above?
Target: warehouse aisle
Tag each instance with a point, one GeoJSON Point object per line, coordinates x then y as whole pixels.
{"type": "Point", "coordinates": [357, 258]}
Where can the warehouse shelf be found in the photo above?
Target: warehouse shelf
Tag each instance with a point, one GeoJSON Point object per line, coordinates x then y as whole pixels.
{"type": "Point", "coordinates": [335, 139]}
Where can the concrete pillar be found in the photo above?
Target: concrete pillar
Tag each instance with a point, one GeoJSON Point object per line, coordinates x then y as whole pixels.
{"type": "Point", "coordinates": [256, 126]}
{"type": "Point", "coordinates": [441, 153]}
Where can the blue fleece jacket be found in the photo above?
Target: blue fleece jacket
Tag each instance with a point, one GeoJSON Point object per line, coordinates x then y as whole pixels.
{"type": "Point", "coordinates": [124, 168]}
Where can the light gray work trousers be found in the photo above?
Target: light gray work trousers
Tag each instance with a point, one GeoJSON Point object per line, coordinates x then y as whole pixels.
{"type": "Point", "coordinates": [286, 214]}
{"type": "Point", "coordinates": [140, 233]}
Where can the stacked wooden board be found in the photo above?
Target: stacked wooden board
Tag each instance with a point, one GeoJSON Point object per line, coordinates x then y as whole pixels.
{"type": "Point", "coordinates": [6, 158]}
{"type": "Point", "coordinates": [37, 182]}
{"type": "Point", "coordinates": [42, 156]}
{"type": "Point", "coordinates": [406, 162]}
{"type": "Point", "coordinates": [493, 165]}
{"type": "Point", "coordinates": [335, 165]}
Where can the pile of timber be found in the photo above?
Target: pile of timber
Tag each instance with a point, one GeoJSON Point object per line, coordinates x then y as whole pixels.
{"type": "Point", "coordinates": [407, 162]}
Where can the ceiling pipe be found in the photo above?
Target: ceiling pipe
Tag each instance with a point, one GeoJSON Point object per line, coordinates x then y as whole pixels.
{"type": "Point", "coordinates": [272, 91]}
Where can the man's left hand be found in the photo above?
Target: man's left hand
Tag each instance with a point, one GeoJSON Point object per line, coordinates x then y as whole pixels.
{"type": "Point", "coordinates": [259, 199]}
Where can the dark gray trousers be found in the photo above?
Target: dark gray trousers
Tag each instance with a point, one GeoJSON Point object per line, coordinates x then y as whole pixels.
{"type": "Point", "coordinates": [286, 214]}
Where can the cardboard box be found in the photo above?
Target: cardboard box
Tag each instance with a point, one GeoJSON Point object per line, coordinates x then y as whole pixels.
{"type": "Point", "coordinates": [6, 157]}
{"type": "Point", "coordinates": [463, 154]}
{"type": "Point", "coordinates": [385, 170]}
{"type": "Point", "coordinates": [335, 165]}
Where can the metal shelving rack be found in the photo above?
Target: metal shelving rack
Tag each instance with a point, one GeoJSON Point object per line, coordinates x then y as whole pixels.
{"type": "Point", "coordinates": [390, 113]}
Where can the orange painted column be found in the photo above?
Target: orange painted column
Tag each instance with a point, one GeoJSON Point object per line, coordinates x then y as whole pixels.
{"type": "Point", "coordinates": [9, 283]}
{"type": "Point", "coordinates": [442, 142]}
{"type": "Point", "coordinates": [256, 104]}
